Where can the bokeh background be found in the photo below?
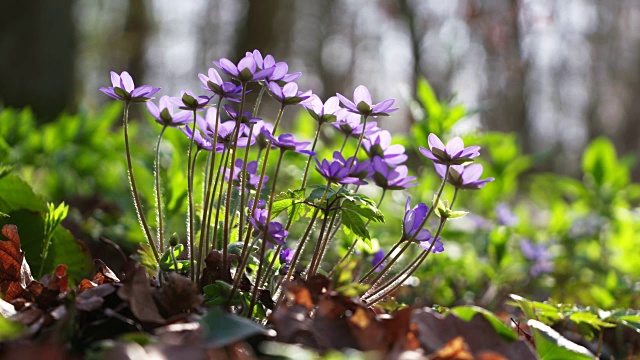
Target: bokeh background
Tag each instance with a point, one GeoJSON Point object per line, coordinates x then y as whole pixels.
{"type": "Point", "coordinates": [557, 72]}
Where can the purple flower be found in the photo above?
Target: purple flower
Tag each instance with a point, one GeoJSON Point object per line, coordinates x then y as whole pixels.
{"type": "Point", "coordinates": [376, 261]}
{"type": "Point", "coordinates": [380, 145]}
{"type": "Point", "coordinates": [124, 89]}
{"type": "Point", "coordinates": [391, 178]}
{"type": "Point", "coordinates": [247, 118]}
{"type": "Point", "coordinates": [454, 153]}
{"type": "Point", "coordinates": [287, 142]}
{"type": "Point", "coordinates": [262, 140]}
{"type": "Point", "coordinates": [288, 94]}
{"type": "Point", "coordinates": [363, 105]}
{"type": "Point", "coordinates": [225, 132]}
{"type": "Point", "coordinates": [322, 113]}
{"type": "Point", "coordinates": [337, 171]}
{"type": "Point", "coordinates": [275, 234]}
{"type": "Point", "coordinates": [285, 257]}
{"type": "Point", "coordinates": [505, 216]}
{"type": "Point", "coordinates": [437, 248]}
{"type": "Point", "coordinates": [280, 69]}
{"type": "Point", "coordinates": [226, 90]}
{"type": "Point", "coordinates": [164, 114]}
{"type": "Point", "coordinates": [245, 71]}
{"type": "Point", "coordinates": [201, 142]}
{"type": "Point", "coordinates": [413, 218]}
{"type": "Point", "coordinates": [188, 101]}
{"type": "Point", "coordinates": [461, 177]}
{"type": "Point", "coordinates": [252, 178]}
{"type": "Point", "coordinates": [349, 124]}
{"type": "Point", "coordinates": [357, 169]}
{"type": "Point", "coordinates": [539, 255]}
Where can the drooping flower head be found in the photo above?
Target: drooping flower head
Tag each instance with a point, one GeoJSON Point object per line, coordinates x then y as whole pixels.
{"type": "Point", "coordinates": [245, 71]}
{"type": "Point", "coordinates": [363, 105]}
{"type": "Point", "coordinates": [164, 113]}
{"type": "Point", "coordinates": [323, 113]}
{"type": "Point", "coordinates": [379, 144]}
{"type": "Point", "coordinates": [261, 139]}
{"type": "Point", "coordinates": [454, 153]}
{"type": "Point", "coordinates": [378, 256]}
{"type": "Point", "coordinates": [123, 89]}
{"type": "Point", "coordinates": [288, 94]}
{"type": "Point", "coordinates": [188, 101]}
{"type": "Point", "coordinates": [224, 89]}
{"type": "Point", "coordinates": [413, 218]}
{"type": "Point", "coordinates": [466, 178]}
{"type": "Point", "coordinates": [252, 178]}
{"type": "Point", "coordinates": [337, 171]}
{"type": "Point", "coordinates": [287, 142]}
{"type": "Point", "coordinates": [391, 178]}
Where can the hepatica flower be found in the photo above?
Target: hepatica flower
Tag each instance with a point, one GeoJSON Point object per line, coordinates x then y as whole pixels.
{"type": "Point", "coordinates": [413, 218]}
{"type": "Point", "coordinates": [164, 113]}
{"type": "Point", "coordinates": [357, 169]}
{"type": "Point", "coordinates": [261, 139]}
{"type": "Point", "coordinates": [226, 90]}
{"type": "Point", "coordinates": [287, 142]}
{"type": "Point", "coordinates": [188, 101]}
{"type": "Point", "coordinates": [288, 94]}
{"type": "Point", "coordinates": [454, 153]}
{"type": "Point", "coordinates": [124, 89]}
{"type": "Point", "coordinates": [349, 124]}
{"type": "Point", "coordinates": [275, 234]}
{"type": "Point", "coordinates": [539, 255]}
{"type": "Point", "coordinates": [245, 71]}
{"type": "Point", "coordinates": [376, 260]}
{"type": "Point", "coordinates": [363, 105]}
{"type": "Point", "coordinates": [246, 118]}
{"type": "Point", "coordinates": [391, 178]}
{"type": "Point", "coordinates": [251, 174]}
{"type": "Point", "coordinates": [379, 144]}
{"type": "Point", "coordinates": [466, 178]}
{"type": "Point", "coordinates": [322, 113]}
{"type": "Point", "coordinates": [337, 171]}
{"type": "Point", "coordinates": [202, 142]}
{"type": "Point", "coordinates": [280, 69]}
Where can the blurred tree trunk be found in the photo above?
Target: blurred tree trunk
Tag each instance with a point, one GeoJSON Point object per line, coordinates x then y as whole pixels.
{"type": "Point", "coordinates": [137, 30]}
{"type": "Point", "coordinates": [38, 47]}
{"type": "Point", "coordinates": [267, 27]}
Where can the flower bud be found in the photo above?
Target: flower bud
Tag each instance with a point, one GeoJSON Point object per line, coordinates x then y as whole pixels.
{"type": "Point", "coordinates": [174, 240]}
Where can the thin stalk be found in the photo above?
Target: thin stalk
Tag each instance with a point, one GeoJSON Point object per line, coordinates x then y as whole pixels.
{"type": "Point", "coordinates": [324, 244]}
{"type": "Point", "coordinates": [243, 186]}
{"type": "Point", "coordinates": [355, 153]}
{"type": "Point", "coordinates": [265, 235]}
{"type": "Point", "coordinates": [134, 190]}
{"type": "Point", "coordinates": [173, 257]}
{"type": "Point", "coordinates": [267, 274]}
{"type": "Point", "coordinates": [234, 147]}
{"type": "Point", "coordinates": [191, 220]}
{"type": "Point", "coordinates": [344, 143]}
{"type": "Point", "coordinates": [158, 191]}
{"type": "Point", "coordinates": [313, 148]}
{"type": "Point", "coordinates": [316, 253]}
{"type": "Point", "coordinates": [256, 107]}
{"type": "Point", "coordinates": [224, 163]}
{"type": "Point", "coordinates": [411, 239]}
{"type": "Point", "coordinates": [355, 241]}
{"type": "Point", "coordinates": [209, 192]}
{"type": "Point", "coordinates": [396, 282]}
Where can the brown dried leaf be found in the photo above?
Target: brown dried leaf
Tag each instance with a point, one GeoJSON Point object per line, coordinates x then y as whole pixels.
{"type": "Point", "coordinates": [178, 295]}
{"type": "Point", "coordinates": [456, 349]}
{"type": "Point", "coordinates": [104, 274]}
{"type": "Point", "coordinates": [137, 291]}
{"type": "Point", "coordinates": [92, 298]}
{"type": "Point", "coordinates": [14, 270]}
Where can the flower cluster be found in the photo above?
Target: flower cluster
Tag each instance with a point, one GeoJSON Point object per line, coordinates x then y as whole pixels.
{"type": "Point", "coordinates": [220, 125]}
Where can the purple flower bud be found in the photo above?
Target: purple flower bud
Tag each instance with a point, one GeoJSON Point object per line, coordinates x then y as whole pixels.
{"type": "Point", "coordinates": [376, 260]}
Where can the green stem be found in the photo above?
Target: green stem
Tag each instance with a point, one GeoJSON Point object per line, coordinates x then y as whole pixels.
{"type": "Point", "coordinates": [224, 164]}
{"type": "Point", "coordinates": [192, 254]}
{"type": "Point", "coordinates": [256, 107]}
{"type": "Point", "coordinates": [208, 203]}
{"type": "Point", "coordinates": [411, 239]}
{"type": "Point", "coordinates": [265, 234]}
{"type": "Point", "coordinates": [355, 153]}
{"type": "Point", "coordinates": [267, 274]}
{"type": "Point", "coordinates": [313, 148]}
{"type": "Point", "coordinates": [243, 186]}
{"type": "Point", "coordinates": [158, 192]}
{"type": "Point", "coordinates": [399, 279]}
{"type": "Point", "coordinates": [344, 143]}
{"type": "Point", "coordinates": [227, 208]}
{"type": "Point", "coordinates": [173, 257]}
{"type": "Point", "coordinates": [134, 189]}
{"type": "Point", "coordinates": [324, 242]}
{"type": "Point", "coordinates": [355, 241]}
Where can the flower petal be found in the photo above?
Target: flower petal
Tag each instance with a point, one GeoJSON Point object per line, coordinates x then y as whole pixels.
{"type": "Point", "coordinates": [361, 93]}
{"type": "Point", "coordinates": [127, 81]}
{"type": "Point", "coordinates": [434, 141]}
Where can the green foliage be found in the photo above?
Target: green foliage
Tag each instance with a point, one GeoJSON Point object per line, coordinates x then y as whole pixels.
{"type": "Point", "coordinates": [222, 328]}
{"type": "Point", "coordinates": [439, 117]}
{"type": "Point", "coordinates": [466, 313]}
{"type": "Point", "coordinates": [9, 329]}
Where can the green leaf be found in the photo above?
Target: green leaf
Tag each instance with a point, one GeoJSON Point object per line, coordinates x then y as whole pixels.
{"type": "Point", "coordinates": [365, 210]}
{"type": "Point", "coordinates": [146, 258]}
{"type": "Point", "coordinates": [600, 164]}
{"type": "Point", "coordinates": [9, 329]}
{"type": "Point", "coordinates": [352, 221]}
{"type": "Point", "coordinates": [15, 194]}
{"type": "Point", "coordinates": [550, 345]}
{"type": "Point", "coordinates": [466, 313]}
{"type": "Point", "coordinates": [222, 328]}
